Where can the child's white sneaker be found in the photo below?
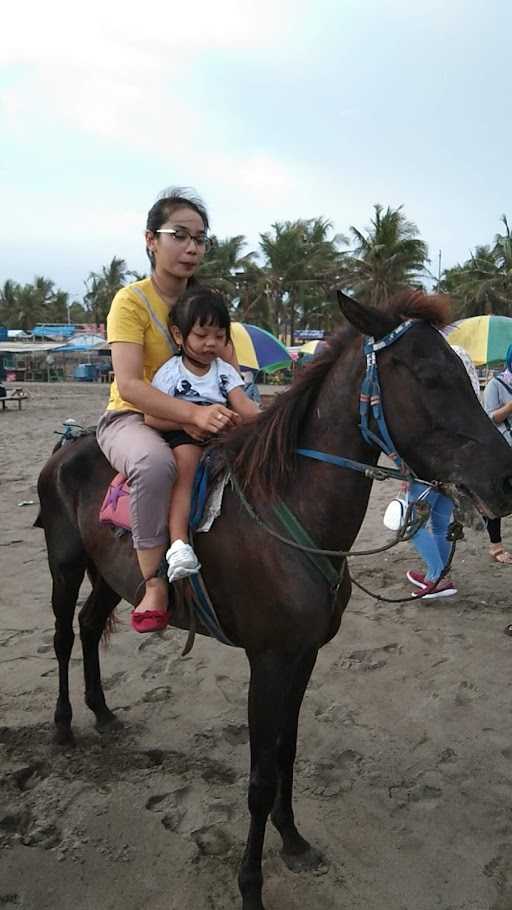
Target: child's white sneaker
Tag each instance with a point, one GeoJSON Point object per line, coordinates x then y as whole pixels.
{"type": "Point", "coordinates": [182, 561]}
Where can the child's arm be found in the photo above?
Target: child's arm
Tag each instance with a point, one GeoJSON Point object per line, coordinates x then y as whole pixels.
{"type": "Point", "coordinates": [241, 404]}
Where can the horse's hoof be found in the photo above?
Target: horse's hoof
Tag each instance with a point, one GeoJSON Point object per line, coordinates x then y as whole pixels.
{"type": "Point", "coordinates": [308, 860]}
{"type": "Point", "coordinates": [252, 904]}
{"type": "Point", "coordinates": [108, 723]}
{"type": "Point", "coordinates": [64, 736]}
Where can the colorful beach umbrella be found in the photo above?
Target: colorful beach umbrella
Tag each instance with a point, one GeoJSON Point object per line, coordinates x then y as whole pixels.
{"type": "Point", "coordinates": [310, 347]}
{"type": "Point", "coordinates": [257, 349]}
{"type": "Point", "coordinates": [485, 338]}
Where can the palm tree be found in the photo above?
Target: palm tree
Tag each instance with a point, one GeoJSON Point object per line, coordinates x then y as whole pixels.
{"type": "Point", "coordinates": [302, 263]}
{"type": "Point", "coordinates": [9, 304]}
{"type": "Point", "coordinates": [387, 258]}
{"type": "Point", "coordinates": [483, 284]}
{"type": "Point", "coordinates": [234, 272]}
{"type": "Point", "coordinates": [103, 286]}
{"type": "Point", "coordinates": [22, 306]}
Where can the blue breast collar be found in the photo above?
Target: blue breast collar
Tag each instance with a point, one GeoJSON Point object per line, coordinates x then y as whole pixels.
{"type": "Point", "coordinates": [370, 405]}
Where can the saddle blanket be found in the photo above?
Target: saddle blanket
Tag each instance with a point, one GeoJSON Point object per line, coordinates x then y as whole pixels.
{"type": "Point", "coordinates": [206, 502]}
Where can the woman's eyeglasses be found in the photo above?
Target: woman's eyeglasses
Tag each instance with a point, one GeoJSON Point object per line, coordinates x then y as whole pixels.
{"type": "Point", "coordinates": [183, 236]}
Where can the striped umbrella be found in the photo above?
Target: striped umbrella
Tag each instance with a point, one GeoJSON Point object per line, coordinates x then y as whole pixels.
{"type": "Point", "coordinates": [257, 349]}
{"type": "Point", "coordinates": [485, 338]}
{"type": "Point", "coordinates": [310, 347]}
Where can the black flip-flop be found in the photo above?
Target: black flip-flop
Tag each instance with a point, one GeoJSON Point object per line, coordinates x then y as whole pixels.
{"type": "Point", "coordinates": [508, 629]}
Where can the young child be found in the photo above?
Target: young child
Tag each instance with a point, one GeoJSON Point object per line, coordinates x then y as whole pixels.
{"type": "Point", "coordinates": [200, 326]}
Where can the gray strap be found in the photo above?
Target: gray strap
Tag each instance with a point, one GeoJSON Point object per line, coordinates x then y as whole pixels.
{"type": "Point", "coordinates": [159, 325]}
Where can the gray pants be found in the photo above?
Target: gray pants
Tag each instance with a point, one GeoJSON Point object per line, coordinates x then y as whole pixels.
{"type": "Point", "coordinates": [147, 462]}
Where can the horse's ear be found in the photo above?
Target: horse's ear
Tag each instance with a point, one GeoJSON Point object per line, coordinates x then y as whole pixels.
{"type": "Point", "coordinates": [366, 319]}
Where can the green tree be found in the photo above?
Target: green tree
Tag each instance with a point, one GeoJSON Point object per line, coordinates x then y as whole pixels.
{"type": "Point", "coordinates": [78, 313]}
{"type": "Point", "coordinates": [302, 264]}
{"type": "Point", "coordinates": [101, 288]}
{"type": "Point", "coordinates": [387, 257]}
{"type": "Point", "coordinates": [483, 284]}
{"type": "Point", "coordinates": [236, 273]}
{"type": "Point", "coordinates": [23, 306]}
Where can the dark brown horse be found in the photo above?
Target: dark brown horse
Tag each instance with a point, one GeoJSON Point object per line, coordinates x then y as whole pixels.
{"type": "Point", "coordinates": [268, 597]}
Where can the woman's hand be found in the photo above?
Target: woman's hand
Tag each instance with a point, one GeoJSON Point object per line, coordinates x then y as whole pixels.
{"type": "Point", "coordinates": [214, 418]}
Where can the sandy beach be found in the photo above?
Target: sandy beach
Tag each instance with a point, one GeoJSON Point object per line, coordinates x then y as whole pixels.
{"type": "Point", "coordinates": [404, 766]}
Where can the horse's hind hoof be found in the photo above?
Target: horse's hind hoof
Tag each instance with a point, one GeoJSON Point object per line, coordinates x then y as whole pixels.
{"type": "Point", "coordinates": [64, 736]}
{"type": "Point", "coordinates": [309, 860]}
{"type": "Point", "coordinates": [108, 723]}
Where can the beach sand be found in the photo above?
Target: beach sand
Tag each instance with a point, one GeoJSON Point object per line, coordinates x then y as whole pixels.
{"type": "Point", "coordinates": [404, 765]}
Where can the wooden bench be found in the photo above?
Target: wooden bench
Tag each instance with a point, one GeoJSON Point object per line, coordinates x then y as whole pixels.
{"type": "Point", "coordinates": [14, 395]}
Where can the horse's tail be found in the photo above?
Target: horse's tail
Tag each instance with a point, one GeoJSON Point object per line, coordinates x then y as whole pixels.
{"type": "Point", "coordinates": [109, 629]}
{"type": "Point", "coordinates": [38, 523]}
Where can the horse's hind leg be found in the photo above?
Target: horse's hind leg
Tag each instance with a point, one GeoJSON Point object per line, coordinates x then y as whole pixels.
{"type": "Point", "coordinates": [67, 578]}
{"type": "Point", "coordinates": [269, 674]}
{"type": "Point", "coordinates": [92, 619]}
{"type": "Point", "coordinates": [296, 852]}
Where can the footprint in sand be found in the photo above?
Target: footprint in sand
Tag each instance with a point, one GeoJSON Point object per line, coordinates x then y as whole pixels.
{"type": "Point", "coordinates": [10, 901]}
{"type": "Point", "coordinates": [160, 693]}
{"type": "Point", "coordinates": [231, 689]}
{"type": "Point", "coordinates": [466, 694]}
{"type": "Point", "coordinates": [236, 734]}
{"type": "Point", "coordinates": [155, 667]}
{"type": "Point", "coordinates": [182, 812]}
{"type": "Point", "coordinates": [370, 658]}
{"type": "Point", "coordinates": [112, 681]}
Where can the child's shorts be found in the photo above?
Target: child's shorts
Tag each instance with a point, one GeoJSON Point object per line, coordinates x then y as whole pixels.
{"type": "Point", "coordinates": [175, 438]}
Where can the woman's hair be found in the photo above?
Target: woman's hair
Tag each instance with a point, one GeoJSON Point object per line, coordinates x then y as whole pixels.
{"type": "Point", "coordinates": [168, 201]}
{"type": "Point", "coordinates": [200, 305]}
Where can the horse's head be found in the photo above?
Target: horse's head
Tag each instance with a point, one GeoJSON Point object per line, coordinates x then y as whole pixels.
{"type": "Point", "coordinates": [434, 418]}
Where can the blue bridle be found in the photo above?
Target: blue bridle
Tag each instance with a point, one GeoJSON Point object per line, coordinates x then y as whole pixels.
{"type": "Point", "coordinates": [370, 405]}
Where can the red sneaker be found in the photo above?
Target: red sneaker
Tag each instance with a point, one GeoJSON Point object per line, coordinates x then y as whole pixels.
{"type": "Point", "coordinates": [444, 588]}
{"type": "Point", "coordinates": [417, 578]}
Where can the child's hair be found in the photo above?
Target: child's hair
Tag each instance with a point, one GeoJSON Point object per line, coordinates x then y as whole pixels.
{"type": "Point", "coordinates": [203, 305]}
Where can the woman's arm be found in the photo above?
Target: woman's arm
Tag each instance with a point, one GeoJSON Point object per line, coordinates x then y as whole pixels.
{"type": "Point", "coordinates": [163, 425]}
{"type": "Point", "coordinates": [497, 411]}
{"type": "Point", "coordinates": [501, 414]}
{"type": "Point", "coordinates": [242, 405]}
{"type": "Point", "coordinates": [128, 364]}
{"type": "Point", "coordinates": [229, 355]}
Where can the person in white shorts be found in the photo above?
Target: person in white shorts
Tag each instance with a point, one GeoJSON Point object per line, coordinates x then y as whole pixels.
{"type": "Point", "coordinates": [200, 326]}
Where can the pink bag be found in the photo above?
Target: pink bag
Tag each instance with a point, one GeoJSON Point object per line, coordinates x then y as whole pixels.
{"type": "Point", "coordinates": [115, 509]}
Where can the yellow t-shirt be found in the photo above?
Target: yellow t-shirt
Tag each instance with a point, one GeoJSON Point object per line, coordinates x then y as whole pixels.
{"type": "Point", "coordinates": [140, 316]}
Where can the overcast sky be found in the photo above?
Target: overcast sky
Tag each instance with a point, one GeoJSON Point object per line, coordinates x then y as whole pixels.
{"type": "Point", "coordinates": [273, 110]}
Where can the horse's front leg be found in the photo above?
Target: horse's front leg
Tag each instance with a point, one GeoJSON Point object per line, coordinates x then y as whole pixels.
{"type": "Point", "coordinates": [269, 680]}
{"type": "Point", "coordinates": [297, 852]}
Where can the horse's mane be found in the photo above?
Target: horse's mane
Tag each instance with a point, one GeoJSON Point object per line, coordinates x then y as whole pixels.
{"type": "Point", "coordinates": [261, 453]}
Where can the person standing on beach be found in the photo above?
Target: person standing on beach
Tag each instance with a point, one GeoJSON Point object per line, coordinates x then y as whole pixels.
{"type": "Point", "coordinates": [498, 404]}
{"type": "Point", "coordinates": [431, 541]}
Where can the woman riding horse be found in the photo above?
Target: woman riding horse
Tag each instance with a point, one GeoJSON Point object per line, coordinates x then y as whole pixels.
{"type": "Point", "coordinates": [176, 240]}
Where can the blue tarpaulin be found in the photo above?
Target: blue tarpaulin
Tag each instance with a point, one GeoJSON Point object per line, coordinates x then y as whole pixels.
{"type": "Point", "coordinates": [53, 331]}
